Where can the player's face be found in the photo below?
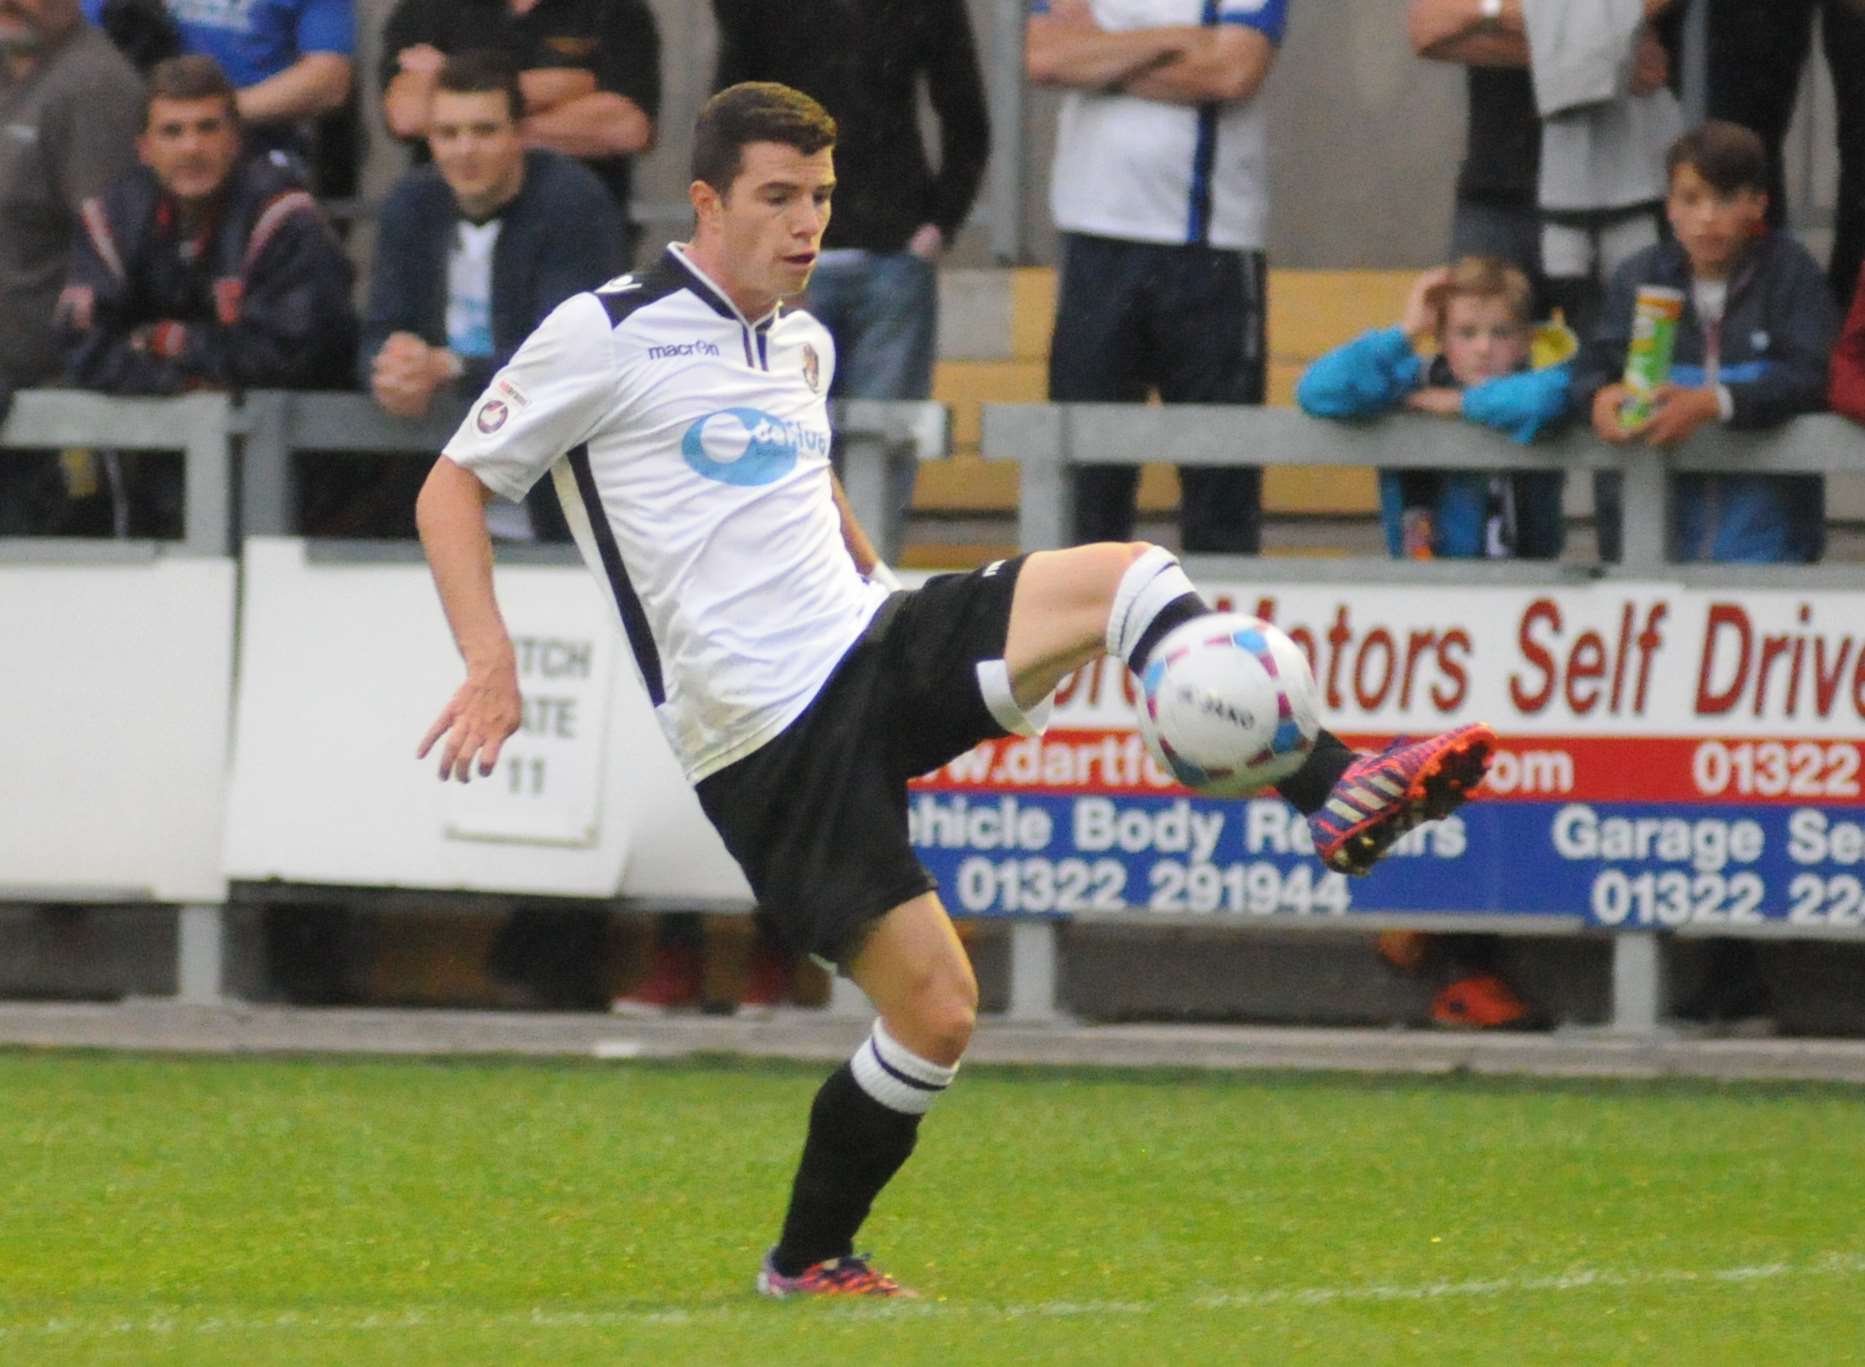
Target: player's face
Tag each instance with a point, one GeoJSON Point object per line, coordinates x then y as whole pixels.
{"type": "Point", "coordinates": [191, 146]}
{"type": "Point", "coordinates": [1715, 228]}
{"type": "Point", "coordinates": [475, 145]}
{"type": "Point", "coordinates": [1482, 338]}
{"type": "Point", "coordinates": [771, 221]}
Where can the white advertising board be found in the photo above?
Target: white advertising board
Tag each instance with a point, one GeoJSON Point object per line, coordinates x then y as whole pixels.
{"type": "Point", "coordinates": [344, 665]}
{"type": "Point", "coordinates": [116, 680]}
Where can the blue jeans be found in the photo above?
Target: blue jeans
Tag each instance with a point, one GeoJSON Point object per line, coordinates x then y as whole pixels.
{"type": "Point", "coordinates": [883, 311]}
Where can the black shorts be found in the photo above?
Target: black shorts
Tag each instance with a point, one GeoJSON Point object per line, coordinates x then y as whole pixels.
{"type": "Point", "coordinates": [817, 816]}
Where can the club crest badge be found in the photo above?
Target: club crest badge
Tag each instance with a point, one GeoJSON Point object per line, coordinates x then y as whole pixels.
{"type": "Point", "coordinates": [492, 415]}
{"type": "Point", "coordinates": [812, 368]}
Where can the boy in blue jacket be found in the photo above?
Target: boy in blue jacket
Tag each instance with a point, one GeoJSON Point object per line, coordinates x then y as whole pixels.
{"type": "Point", "coordinates": [1751, 350]}
{"type": "Point", "coordinates": [1477, 313]}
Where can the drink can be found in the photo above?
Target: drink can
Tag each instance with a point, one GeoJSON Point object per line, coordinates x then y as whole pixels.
{"type": "Point", "coordinates": [1648, 359]}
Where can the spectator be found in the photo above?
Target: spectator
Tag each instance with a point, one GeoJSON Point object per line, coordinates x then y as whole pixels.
{"type": "Point", "coordinates": [1848, 387]}
{"type": "Point", "coordinates": [589, 70]}
{"type": "Point", "coordinates": [1751, 350]}
{"type": "Point", "coordinates": [1599, 73]}
{"type": "Point", "coordinates": [289, 60]}
{"type": "Point", "coordinates": [1497, 208]}
{"type": "Point", "coordinates": [1477, 312]}
{"type": "Point", "coordinates": [70, 104]}
{"type": "Point", "coordinates": [201, 269]}
{"type": "Point", "coordinates": [476, 249]}
{"type": "Point", "coordinates": [1160, 187]}
{"type": "Point", "coordinates": [875, 287]}
{"type": "Point", "coordinates": [1757, 49]}
{"type": "Point", "coordinates": [473, 251]}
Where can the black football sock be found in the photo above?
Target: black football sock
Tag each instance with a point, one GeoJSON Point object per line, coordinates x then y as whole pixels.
{"type": "Point", "coordinates": [1308, 787]}
{"type": "Point", "coordinates": [862, 1127]}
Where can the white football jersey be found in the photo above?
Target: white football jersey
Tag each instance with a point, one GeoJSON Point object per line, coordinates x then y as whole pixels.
{"type": "Point", "coordinates": [690, 447]}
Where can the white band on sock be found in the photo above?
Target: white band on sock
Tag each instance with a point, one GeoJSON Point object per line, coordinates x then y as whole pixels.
{"type": "Point", "coordinates": [1150, 582]}
{"type": "Point", "coordinates": [897, 1078]}
{"type": "Point", "coordinates": [1000, 699]}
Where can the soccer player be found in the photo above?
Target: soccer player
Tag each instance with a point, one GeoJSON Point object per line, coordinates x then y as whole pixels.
{"type": "Point", "coordinates": [681, 416]}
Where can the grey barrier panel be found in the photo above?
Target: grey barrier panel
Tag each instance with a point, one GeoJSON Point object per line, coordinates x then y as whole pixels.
{"type": "Point", "coordinates": [203, 427]}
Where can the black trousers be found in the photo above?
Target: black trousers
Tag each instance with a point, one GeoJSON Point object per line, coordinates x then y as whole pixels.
{"type": "Point", "coordinates": [1190, 322]}
{"type": "Point", "coordinates": [1757, 49]}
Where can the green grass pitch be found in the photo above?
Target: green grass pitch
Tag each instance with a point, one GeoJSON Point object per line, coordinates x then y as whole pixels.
{"type": "Point", "coordinates": [247, 1211]}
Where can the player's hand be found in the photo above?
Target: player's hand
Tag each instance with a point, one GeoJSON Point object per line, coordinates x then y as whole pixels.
{"type": "Point", "coordinates": [1420, 319]}
{"type": "Point", "coordinates": [421, 59]}
{"type": "Point", "coordinates": [476, 721]}
{"type": "Point", "coordinates": [1437, 399]}
{"type": "Point", "coordinates": [1651, 64]}
{"type": "Point", "coordinates": [927, 242]}
{"type": "Point", "coordinates": [1606, 425]}
{"type": "Point", "coordinates": [1677, 412]}
{"type": "Point", "coordinates": [1073, 14]}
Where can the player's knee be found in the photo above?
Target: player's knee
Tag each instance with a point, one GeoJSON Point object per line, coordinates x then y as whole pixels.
{"type": "Point", "coordinates": [951, 1026]}
{"type": "Point", "coordinates": [942, 1017]}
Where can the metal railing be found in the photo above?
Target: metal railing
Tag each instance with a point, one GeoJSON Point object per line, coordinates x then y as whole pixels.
{"type": "Point", "coordinates": [1047, 440]}
{"type": "Point", "coordinates": [279, 425]}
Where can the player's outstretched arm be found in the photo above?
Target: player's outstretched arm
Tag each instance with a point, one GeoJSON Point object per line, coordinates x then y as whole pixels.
{"type": "Point", "coordinates": [451, 517]}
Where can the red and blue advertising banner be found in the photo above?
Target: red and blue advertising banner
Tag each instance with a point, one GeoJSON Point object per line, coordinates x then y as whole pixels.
{"type": "Point", "coordinates": [1668, 757]}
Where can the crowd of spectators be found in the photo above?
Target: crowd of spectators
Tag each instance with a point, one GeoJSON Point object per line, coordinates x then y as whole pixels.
{"type": "Point", "coordinates": [164, 227]}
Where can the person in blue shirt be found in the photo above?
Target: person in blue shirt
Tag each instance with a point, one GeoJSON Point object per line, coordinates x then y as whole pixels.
{"type": "Point", "coordinates": [1477, 314]}
{"type": "Point", "coordinates": [291, 61]}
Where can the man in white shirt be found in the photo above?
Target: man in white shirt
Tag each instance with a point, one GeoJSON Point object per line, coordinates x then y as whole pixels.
{"type": "Point", "coordinates": [681, 414]}
{"type": "Point", "coordinates": [1160, 187]}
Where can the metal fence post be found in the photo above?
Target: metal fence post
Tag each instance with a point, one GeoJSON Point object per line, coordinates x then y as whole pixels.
{"type": "Point", "coordinates": [1008, 149]}
{"type": "Point", "coordinates": [265, 465]}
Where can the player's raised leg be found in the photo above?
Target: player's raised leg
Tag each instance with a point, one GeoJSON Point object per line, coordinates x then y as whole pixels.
{"type": "Point", "coordinates": [1122, 598]}
{"type": "Point", "coordinates": [866, 1117]}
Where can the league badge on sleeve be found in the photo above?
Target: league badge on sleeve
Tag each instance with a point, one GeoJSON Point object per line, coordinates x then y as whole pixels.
{"type": "Point", "coordinates": [812, 368]}
{"type": "Point", "coordinates": [491, 416]}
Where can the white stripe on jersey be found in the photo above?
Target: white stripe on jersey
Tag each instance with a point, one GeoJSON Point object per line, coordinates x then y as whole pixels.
{"type": "Point", "coordinates": [691, 449]}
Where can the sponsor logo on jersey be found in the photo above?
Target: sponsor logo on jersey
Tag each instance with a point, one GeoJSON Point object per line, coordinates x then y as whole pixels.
{"type": "Point", "coordinates": [747, 447]}
{"type": "Point", "coordinates": [510, 392]}
{"type": "Point", "coordinates": [492, 416]}
{"type": "Point", "coordinates": [673, 349]}
{"type": "Point", "coordinates": [812, 368]}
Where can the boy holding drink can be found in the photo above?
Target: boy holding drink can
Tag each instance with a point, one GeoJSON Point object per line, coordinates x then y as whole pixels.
{"type": "Point", "coordinates": [1727, 323]}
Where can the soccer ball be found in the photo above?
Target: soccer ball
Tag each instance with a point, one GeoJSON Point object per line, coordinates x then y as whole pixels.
{"type": "Point", "coordinates": [1227, 703]}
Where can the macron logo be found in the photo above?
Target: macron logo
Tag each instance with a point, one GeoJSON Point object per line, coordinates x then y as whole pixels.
{"type": "Point", "coordinates": [664, 353]}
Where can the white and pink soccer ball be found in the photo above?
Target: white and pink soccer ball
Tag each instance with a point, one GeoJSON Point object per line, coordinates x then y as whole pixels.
{"type": "Point", "coordinates": [1228, 704]}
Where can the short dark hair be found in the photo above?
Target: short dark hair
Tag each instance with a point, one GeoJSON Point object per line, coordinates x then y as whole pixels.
{"type": "Point", "coordinates": [483, 70]}
{"type": "Point", "coordinates": [194, 77]}
{"type": "Point", "coordinates": [1727, 155]}
{"type": "Point", "coordinates": [755, 111]}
